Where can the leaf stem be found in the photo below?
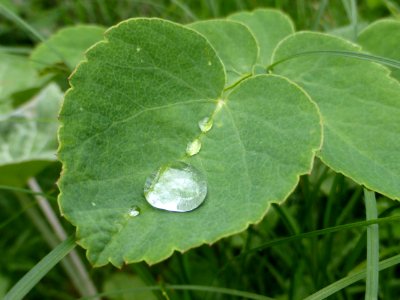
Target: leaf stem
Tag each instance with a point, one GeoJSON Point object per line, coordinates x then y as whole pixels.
{"type": "Point", "coordinates": [81, 272]}
{"type": "Point", "coordinates": [372, 284]}
{"type": "Point", "coordinates": [30, 279]}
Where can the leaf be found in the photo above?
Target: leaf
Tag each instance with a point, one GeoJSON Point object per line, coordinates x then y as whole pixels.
{"type": "Point", "coordinates": [134, 106]}
{"type": "Point", "coordinates": [66, 46]}
{"type": "Point", "coordinates": [28, 137]}
{"type": "Point", "coordinates": [383, 38]}
{"type": "Point", "coordinates": [122, 286]}
{"type": "Point", "coordinates": [359, 104]}
{"type": "Point", "coordinates": [269, 27]}
{"type": "Point", "coordinates": [234, 44]}
{"type": "Point", "coordinates": [16, 75]}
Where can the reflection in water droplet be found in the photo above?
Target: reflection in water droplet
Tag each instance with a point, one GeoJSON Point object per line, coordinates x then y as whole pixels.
{"type": "Point", "coordinates": [176, 187]}
{"type": "Point", "coordinates": [205, 124]}
{"type": "Point", "coordinates": [134, 211]}
{"type": "Point", "coordinates": [193, 148]}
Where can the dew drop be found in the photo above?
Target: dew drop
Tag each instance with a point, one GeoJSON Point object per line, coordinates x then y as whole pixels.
{"type": "Point", "coordinates": [134, 211]}
{"type": "Point", "coordinates": [209, 63]}
{"type": "Point", "coordinates": [193, 148]}
{"type": "Point", "coordinates": [93, 203]}
{"type": "Point", "coordinates": [205, 124]}
{"type": "Point", "coordinates": [138, 49]}
{"type": "Point", "coordinates": [176, 187]}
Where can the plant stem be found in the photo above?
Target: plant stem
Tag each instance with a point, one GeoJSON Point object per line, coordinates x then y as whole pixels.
{"type": "Point", "coordinates": [51, 240]}
{"type": "Point", "coordinates": [81, 272]}
{"type": "Point", "coordinates": [372, 247]}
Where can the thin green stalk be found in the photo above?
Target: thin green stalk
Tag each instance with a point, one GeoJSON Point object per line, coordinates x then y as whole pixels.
{"type": "Point", "coordinates": [348, 280]}
{"type": "Point", "coordinates": [358, 55]}
{"type": "Point", "coordinates": [26, 191]}
{"type": "Point", "coordinates": [51, 240]}
{"type": "Point", "coordinates": [321, 10]}
{"type": "Point", "coordinates": [197, 288]}
{"type": "Point", "coordinates": [81, 272]}
{"type": "Point", "coordinates": [30, 279]}
{"type": "Point", "coordinates": [372, 286]}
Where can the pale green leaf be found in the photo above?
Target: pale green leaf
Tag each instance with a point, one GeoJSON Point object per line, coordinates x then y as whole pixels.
{"type": "Point", "coordinates": [16, 75]}
{"type": "Point", "coordinates": [382, 38]}
{"type": "Point", "coordinates": [134, 106]}
{"type": "Point", "coordinates": [122, 286]}
{"type": "Point", "coordinates": [234, 44]}
{"type": "Point", "coordinates": [28, 137]}
{"type": "Point", "coordinates": [269, 27]}
{"type": "Point", "coordinates": [360, 107]}
{"type": "Point", "coordinates": [66, 46]}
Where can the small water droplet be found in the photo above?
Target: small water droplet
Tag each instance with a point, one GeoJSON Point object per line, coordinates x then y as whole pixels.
{"type": "Point", "coordinates": [205, 124]}
{"type": "Point", "coordinates": [193, 148]}
{"type": "Point", "coordinates": [81, 108]}
{"type": "Point", "coordinates": [138, 49]}
{"type": "Point", "coordinates": [134, 211]}
{"type": "Point", "coordinates": [176, 187]}
{"type": "Point", "coordinates": [209, 63]}
{"type": "Point", "coordinates": [93, 203]}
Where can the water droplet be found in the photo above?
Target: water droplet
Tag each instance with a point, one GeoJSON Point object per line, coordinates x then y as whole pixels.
{"type": "Point", "coordinates": [134, 211]}
{"type": "Point", "coordinates": [209, 63]}
{"type": "Point", "coordinates": [93, 203]}
{"type": "Point", "coordinates": [80, 108]}
{"type": "Point", "coordinates": [193, 148]}
{"type": "Point", "coordinates": [138, 49]}
{"type": "Point", "coordinates": [205, 124]}
{"type": "Point", "coordinates": [176, 187]}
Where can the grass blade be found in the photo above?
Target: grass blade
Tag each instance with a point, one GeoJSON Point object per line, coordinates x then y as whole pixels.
{"type": "Point", "coordinates": [30, 279]}
{"type": "Point", "coordinates": [348, 280]}
{"type": "Point", "coordinates": [372, 247]}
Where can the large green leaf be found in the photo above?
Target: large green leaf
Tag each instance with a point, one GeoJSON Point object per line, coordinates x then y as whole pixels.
{"type": "Point", "coordinates": [383, 38]}
{"type": "Point", "coordinates": [134, 106]}
{"type": "Point", "coordinates": [28, 137]}
{"type": "Point", "coordinates": [359, 104]}
{"type": "Point", "coordinates": [234, 44]}
{"type": "Point", "coordinates": [66, 46]}
{"type": "Point", "coordinates": [269, 27]}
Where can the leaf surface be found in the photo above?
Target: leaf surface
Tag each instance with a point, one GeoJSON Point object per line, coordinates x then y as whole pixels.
{"type": "Point", "coordinates": [66, 46]}
{"type": "Point", "coordinates": [269, 27]}
{"type": "Point", "coordinates": [360, 107]}
{"type": "Point", "coordinates": [28, 137]}
{"type": "Point", "coordinates": [383, 38]}
{"type": "Point", "coordinates": [234, 44]}
{"type": "Point", "coordinates": [134, 106]}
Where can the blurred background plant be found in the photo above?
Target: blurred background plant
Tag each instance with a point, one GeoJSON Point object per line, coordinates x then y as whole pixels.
{"type": "Point", "coordinates": [32, 82]}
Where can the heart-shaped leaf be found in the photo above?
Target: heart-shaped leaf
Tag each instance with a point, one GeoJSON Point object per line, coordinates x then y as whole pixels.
{"type": "Point", "coordinates": [269, 27]}
{"type": "Point", "coordinates": [234, 44]}
{"type": "Point", "coordinates": [359, 103]}
{"type": "Point", "coordinates": [382, 38]}
{"type": "Point", "coordinates": [135, 105]}
{"type": "Point", "coordinates": [66, 46]}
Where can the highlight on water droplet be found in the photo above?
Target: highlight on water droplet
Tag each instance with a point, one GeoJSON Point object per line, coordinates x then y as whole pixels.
{"type": "Point", "coordinates": [193, 148]}
{"type": "Point", "coordinates": [205, 124]}
{"type": "Point", "coordinates": [178, 187]}
{"type": "Point", "coordinates": [134, 211]}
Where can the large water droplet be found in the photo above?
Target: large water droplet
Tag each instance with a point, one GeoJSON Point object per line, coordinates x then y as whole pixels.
{"type": "Point", "coordinates": [176, 187]}
{"type": "Point", "coordinates": [193, 148]}
{"type": "Point", "coordinates": [134, 211]}
{"type": "Point", "coordinates": [205, 124]}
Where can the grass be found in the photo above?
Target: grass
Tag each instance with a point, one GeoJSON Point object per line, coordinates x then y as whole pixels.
{"type": "Point", "coordinates": [321, 243]}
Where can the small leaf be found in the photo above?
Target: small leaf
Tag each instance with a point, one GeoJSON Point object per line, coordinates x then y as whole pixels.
{"type": "Point", "coordinates": [269, 27]}
{"type": "Point", "coordinates": [134, 106]}
{"type": "Point", "coordinates": [382, 38]}
{"type": "Point", "coordinates": [66, 46]}
{"type": "Point", "coordinates": [16, 75]}
{"type": "Point", "coordinates": [359, 104]}
{"type": "Point", "coordinates": [28, 137]}
{"type": "Point", "coordinates": [234, 44]}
